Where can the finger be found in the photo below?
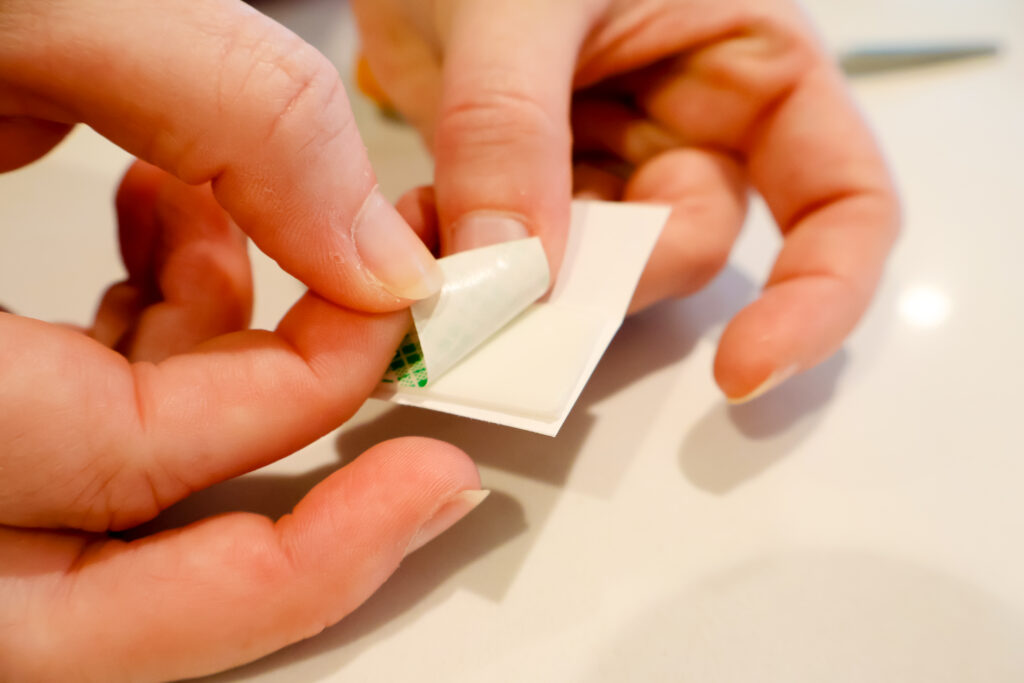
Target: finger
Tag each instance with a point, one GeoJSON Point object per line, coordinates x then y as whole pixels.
{"type": "Point", "coordinates": [230, 589]}
{"type": "Point", "coordinates": [708, 195]}
{"type": "Point", "coordinates": [503, 145]}
{"type": "Point", "coordinates": [184, 254]}
{"type": "Point", "coordinates": [123, 302]}
{"type": "Point", "coordinates": [25, 139]}
{"type": "Point", "coordinates": [785, 109]}
{"type": "Point", "coordinates": [840, 215]}
{"type": "Point", "coordinates": [270, 127]}
{"type": "Point", "coordinates": [593, 181]}
{"type": "Point", "coordinates": [401, 63]}
{"type": "Point", "coordinates": [418, 207]}
{"type": "Point", "coordinates": [117, 314]}
{"type": "Point", "coordinates": [616, 129]}
{"type": "Point", "coordinates": [135, 438]}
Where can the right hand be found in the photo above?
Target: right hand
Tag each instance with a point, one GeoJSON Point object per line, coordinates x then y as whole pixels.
{"type": "Point", "coordinates": [688, 103]}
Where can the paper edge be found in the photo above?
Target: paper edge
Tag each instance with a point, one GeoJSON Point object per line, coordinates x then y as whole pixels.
{"type": "Point", "coordinates": [509, 419]}
{"type": "Point", "coordinates": [536, 425]}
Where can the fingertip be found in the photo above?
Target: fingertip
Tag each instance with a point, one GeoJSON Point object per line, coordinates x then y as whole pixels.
{"type": "Point", "coordinates": [417, 477]}
{"type": "Point", "coordinates": [439, 485]}
{"type": "Point", "coordinates": [446, 458]}
{"type": "Point", "coordinates": [419, 465]}
{"type": "Point", "coordinates": [773, 380]}
{"type": "Point", "coordinates": [363, 519]}
{"type": "Point", "coordinates": [792, 327]}
{"type": "Point", "coordinates": [393, 253]}
{"type": "Point", "coordinates": [740, 372]}
{"type": "Point", "coordinates": [446, 516]}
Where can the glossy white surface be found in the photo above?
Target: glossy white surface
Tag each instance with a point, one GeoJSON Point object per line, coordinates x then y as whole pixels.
{"type": "Point", "coordinates": [862, 523]}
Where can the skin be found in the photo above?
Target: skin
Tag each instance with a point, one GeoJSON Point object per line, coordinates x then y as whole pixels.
{"type": "Point", "coordinates": [167, 392]}
{"type": "Point", "coordinates": [691, 103]}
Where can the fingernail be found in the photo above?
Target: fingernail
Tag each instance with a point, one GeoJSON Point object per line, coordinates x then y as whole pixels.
{"type": "Point", "coordinates": [392, 252]}
{"type": "Point", "coordinates": [483, 228]}
{"type": "Point", "coordinates": [457, 507]}
{"type": "Point", "coordinates": [774, 380]}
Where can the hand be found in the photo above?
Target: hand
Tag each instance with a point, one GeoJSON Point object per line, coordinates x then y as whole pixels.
{"type": "Point", "coordinates": [682, 102]}
{"type": "Point", "coordinates": [212, 91]}
{"type": "Point", "coordinates": [94, 438]}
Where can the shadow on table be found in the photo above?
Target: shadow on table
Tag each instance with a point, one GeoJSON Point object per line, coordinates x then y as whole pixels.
{"type": "Point", "coordinates": [814, 615]}
{"type": "Point", "coordinates": [733, 444]}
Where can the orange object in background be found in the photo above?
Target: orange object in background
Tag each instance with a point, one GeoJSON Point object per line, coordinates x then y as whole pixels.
{"type": "Point", "coordinates": [369, 86]}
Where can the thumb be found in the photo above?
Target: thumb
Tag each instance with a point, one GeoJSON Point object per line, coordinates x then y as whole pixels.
{"type": "Point", "coordinates": [231, 588]}
{"type": "Point", "coordinates": [268, 125]}
{"type": "Point", "coordinates": [503, 142]}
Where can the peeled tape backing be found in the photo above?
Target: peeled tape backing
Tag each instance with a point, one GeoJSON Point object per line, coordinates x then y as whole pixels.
{"type": "Point", "coordinates": [484, 289]}
{"type": "Point", "coordinates": [482, 348]}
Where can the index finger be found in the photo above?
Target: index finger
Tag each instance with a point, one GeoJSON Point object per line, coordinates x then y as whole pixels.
{"type": "Point", "coordinates": [824, 179]}
{"type": "Point", "coordinates": [214, 91]}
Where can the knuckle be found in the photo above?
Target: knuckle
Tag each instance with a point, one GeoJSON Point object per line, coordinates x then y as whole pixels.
{"type": "Point", "coordinates": [499, 113]}
{"type": "Point", "coordinates": [301, 95]}
{"type": "Point", "coordinates": [114, 496]}
{"type": "Point", "coordinates": [278, 91]}
{"type": "Point", "coordinates": [129, 482]}
{"type": "Point", "coordinates": [765, 56]}
{"type": "Point", "coordinates": [256, 551]}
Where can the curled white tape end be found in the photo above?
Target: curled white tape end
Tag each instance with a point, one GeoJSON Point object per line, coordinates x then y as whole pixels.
{"type": "Point", "coordinates": [482, 348]}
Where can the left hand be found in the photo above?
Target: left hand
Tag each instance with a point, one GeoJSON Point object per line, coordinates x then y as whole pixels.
{"type": "Point", "coordinates": [688, 102]}
{"type": "Point", "coordinates": [93, 440]}
{"type": "Point", "coordinates": [168, 392]}
{"type": "Point", "coordinates": [96, 440]}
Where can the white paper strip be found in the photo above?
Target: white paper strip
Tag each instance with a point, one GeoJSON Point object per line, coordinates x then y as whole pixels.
{"type": "Point", "coordinates": [484, 289]}
{"type": "Point", "coordinates": [527, 373]}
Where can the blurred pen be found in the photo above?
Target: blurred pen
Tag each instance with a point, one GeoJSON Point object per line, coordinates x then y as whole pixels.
{"type": "Point", "coordinates": [885, 58]}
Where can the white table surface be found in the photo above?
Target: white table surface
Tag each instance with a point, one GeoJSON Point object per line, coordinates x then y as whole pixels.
{"type": "Point", "coordinates": [863, 523]}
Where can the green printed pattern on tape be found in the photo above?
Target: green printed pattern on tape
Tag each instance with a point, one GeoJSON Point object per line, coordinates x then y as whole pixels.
{"type": "Point", "coordinates": [407, 367]}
